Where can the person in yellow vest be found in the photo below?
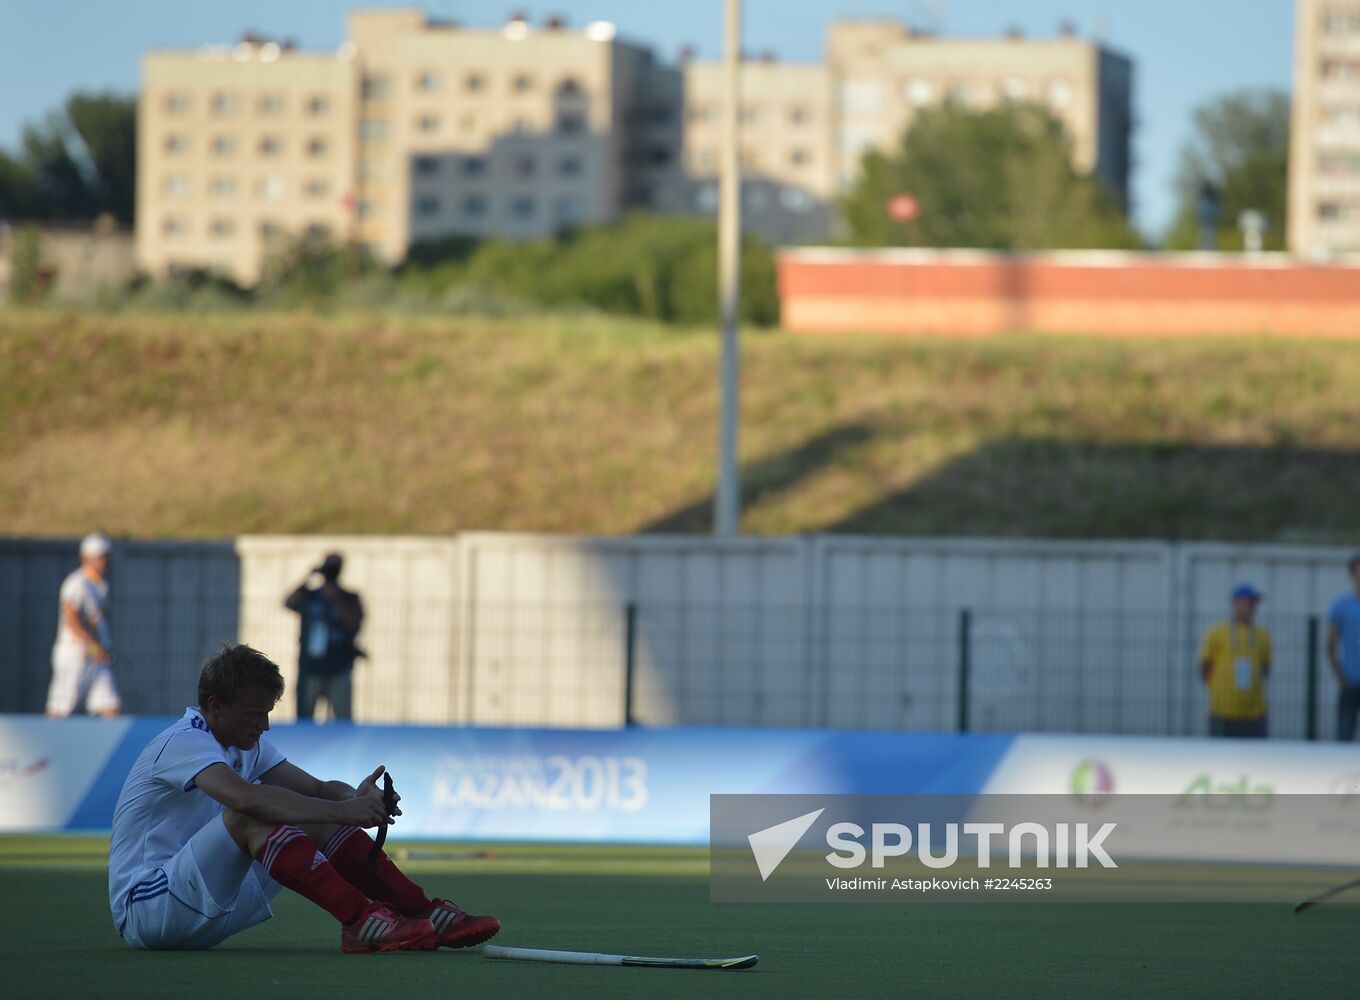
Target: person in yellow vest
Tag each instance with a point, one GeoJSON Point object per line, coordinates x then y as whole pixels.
{"type": "Point", "coordinates": [1234, 662]}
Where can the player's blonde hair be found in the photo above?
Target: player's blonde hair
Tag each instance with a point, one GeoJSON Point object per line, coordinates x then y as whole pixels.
{"type": "Point", "coordinates": [235, 669]}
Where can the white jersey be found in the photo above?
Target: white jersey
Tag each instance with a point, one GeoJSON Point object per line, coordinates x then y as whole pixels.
{"type": "Point", "coordinates": [161, 807]}
{"type": "Point", "coordinates": [91, 601]}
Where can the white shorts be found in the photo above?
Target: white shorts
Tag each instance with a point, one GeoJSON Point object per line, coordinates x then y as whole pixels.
{"type": "Point", "coordinates": [207, 892]}
{"type": "Point", "coordinates": [80, 683]}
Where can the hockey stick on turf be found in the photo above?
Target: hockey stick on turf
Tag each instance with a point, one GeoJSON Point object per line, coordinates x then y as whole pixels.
{"type": "Point", "coordinates": [595, 958]}
{"type": "Point", "coordinates": [1335, 890]}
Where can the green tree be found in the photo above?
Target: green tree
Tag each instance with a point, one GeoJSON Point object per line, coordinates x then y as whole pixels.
{"type": "Point", "coordinates": [76, 163]}
{"type": "Point", "coordinates": [1240, 149]}
{"type": "Point", "coordinates": [999, 179]}
{"type": "Point", "coordinates": [26, 281]}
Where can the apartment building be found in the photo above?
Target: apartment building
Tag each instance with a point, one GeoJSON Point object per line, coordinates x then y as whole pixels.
{"type": "Point", "coordinates": [237, 147]}
{"type": "Point", "coordinates": [1324, 144]}
{"type": "Point", "coordinates": [418, 130]}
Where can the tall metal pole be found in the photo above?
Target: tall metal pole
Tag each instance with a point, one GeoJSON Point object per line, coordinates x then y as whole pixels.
{"type": "Point", "coordinates": [727, 502]}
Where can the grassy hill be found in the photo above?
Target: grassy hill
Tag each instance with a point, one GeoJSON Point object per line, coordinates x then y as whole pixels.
{"type": "Point", "coordinates": [185, 425]}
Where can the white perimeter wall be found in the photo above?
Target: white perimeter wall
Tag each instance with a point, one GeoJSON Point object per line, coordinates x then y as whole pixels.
{"type": "Point", "coordinates": [840, 631]}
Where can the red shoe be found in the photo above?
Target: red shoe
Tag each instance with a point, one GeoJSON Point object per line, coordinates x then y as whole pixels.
{"type": "Point", "coordinates": [456, 929]}
{"type": "Point", "coordinates": [381, 928]}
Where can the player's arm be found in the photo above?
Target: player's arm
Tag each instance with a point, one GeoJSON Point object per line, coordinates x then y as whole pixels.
{"type": "Point", "coordinates": [286, 774]}
{"type": "Point", "coordinates": [1334, 651]}
{"type": "Point", "coordinates": [275, 804]}
{"type": "Point", "coordinates": [70, 614]}
{"type": "Point", "coordinates": [1206, 656]}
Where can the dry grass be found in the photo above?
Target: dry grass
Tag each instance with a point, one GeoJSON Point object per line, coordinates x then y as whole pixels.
{"type": "Point", "coordinates": [171, 425]}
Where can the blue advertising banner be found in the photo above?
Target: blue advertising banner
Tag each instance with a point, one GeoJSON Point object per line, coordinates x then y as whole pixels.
{"type": "Point", "coordinates": [625, 786]}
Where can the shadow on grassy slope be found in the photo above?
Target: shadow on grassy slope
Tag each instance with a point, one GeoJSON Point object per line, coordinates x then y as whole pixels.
{"type": "Point", "coordinates": [769, 476]}
{"type": "Point", "coordinates": [1051, 488]}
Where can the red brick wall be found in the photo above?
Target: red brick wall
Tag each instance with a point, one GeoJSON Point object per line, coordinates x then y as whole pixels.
{"type": "Point", "coordinates": [966, 292]}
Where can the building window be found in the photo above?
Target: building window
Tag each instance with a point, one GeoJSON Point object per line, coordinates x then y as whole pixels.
{"type": "Point", "coordinates": [799, 115]}
{"type": "Point", "coordinates": [270, 230]}
{"type": "Point", "coordinates": [317, 146]}
{"type": "Point", "coordinates": [569, 166]}
{"type": "Point", "coordinates": [567, 210]}
{"type": "Point", "coordinates": [271, 105]}
{"type": "Point", "coordinates": [371, 169]}
{"type": "Point", "coordinates": [522, 208]}
{"type": "Point", "coordinates": [751, 114]}
{"type": "Point", "coordinates": [222, 228]}
{"type": "Point", "coordinates": [317, 188]}
{"type": "Point", "coordinates": [177, 104]}
{"type": "Point", "coordinates": [175, 144]}
{"type": "Point", "coordinates": [318, 107]}
{"type": "Point", "coordinates": [703, 113]}
{"type": "Point", "coordinates": [1331, 211]}
{"type": "Point", "coordinates": [376, 88]}
{"type": "Point", "coordinates": [799, 157]}
{"type": "Point", "coordinates": [474, 166]}
{"type": "Point", "coordinates": [474, 207]}
{"type": "Point", "coordinates": [568, 87]}
{"type": "Point", "coordinates": [706, 198]}
{"type": "Point", "coordinates": [522, 83]}
{"type": "Point", "coordinates": [318, 231]}
{"type": "Point", "coordinates": [795, 199]}
{"type": "Point", "coordinates": [223, 105]}
{"type": "Point", "coordinates": [223, 187]}
{"type": "Point", "coordinates": [1014, 89]}
{"type": "Point", "coordinates": [428, 82]}
{"type": "Point", "coordinates": [521, 126]}
{"type": "Point", "coordinates": [271, 145]}
{"type": "Point", "coordinates": [373, 129]}
{"type": "Point", "coordinates": [1059, 93]}
{"type": "Point", "coordinates": [367, 209]}
{"type": "Point", "coordinates": [756, 198]}
{"type": "Point", "coordinates": [174, 226]}
{"type": "Point", "coordinates": [659, 156]}
{"type": "Point", "coordinates": [570, 123]}
{"type": "Point", "coordinates": [176, 186]}
{"type": "Point", "coordinates": [522, 165]}
{"type": "Point", "coordinates": [661, 114]}
{"type": "Point", "coordinates": [427, 206]}
{"type": "Point", "coordinates": [224, 145]}
{"type": "Point", "coordinates": [706, 158]}
{"type": "Point", "coordinates": [918, 92]}
{"type": "Point", "coordinates": [861, 96]}
{"type": "Point", "coordinates": [474, 83]}
{"type": "Point", "coordinates": [427, 124]}
{"type": "Point", "coordinates": [427, 166]}
{"type": "Point", "coordinates": [272, 188]}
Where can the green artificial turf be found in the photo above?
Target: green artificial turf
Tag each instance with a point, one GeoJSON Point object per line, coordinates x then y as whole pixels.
{"type": "Point", "coordinates": [57, 940]}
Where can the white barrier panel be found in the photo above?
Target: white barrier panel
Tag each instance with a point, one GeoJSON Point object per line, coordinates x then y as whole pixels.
{"type": "Point", "coordinates": [1223, 768]}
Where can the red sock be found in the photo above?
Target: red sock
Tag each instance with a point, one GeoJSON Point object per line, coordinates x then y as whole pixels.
{"type": "Point", "coordinates": [348, 851]}
{"type": "Point", "coordinates": [293, 861]}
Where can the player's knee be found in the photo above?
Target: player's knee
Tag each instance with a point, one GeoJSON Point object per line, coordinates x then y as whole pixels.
{"type": "Point", "coordinates": [248, 832]}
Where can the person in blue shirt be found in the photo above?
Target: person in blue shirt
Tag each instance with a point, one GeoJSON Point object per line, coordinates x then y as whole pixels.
{"type": "Point", "coordinates": [1343, 652]}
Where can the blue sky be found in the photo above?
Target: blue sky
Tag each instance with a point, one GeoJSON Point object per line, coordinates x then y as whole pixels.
{"type": "Point", "coordinates": [1185, 51]}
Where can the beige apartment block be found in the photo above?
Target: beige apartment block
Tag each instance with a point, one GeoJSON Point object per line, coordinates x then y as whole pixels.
{"type": "Point", "coordinates": [885, 74]}
{"type": "Point", "coordinates": [788, 165]}
{"type": "Point", "coordinates": [1324, 144]}
{"type": "Point", "coordinates": [418, 130]}
{"type": "Point", "coordinates": [515, 131]}
{"type": "Point", "coordinates": [237, 147]}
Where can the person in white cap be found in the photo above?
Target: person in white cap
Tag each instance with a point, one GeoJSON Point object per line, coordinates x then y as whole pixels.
{"type": "Point", "coordinates": [82, 657]}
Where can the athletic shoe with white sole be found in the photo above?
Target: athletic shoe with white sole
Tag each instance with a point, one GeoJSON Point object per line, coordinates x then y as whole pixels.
{"type": "Point", "coordinates": [381, 928]}
{"type": "Point", "coordinates": [457, 929]}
